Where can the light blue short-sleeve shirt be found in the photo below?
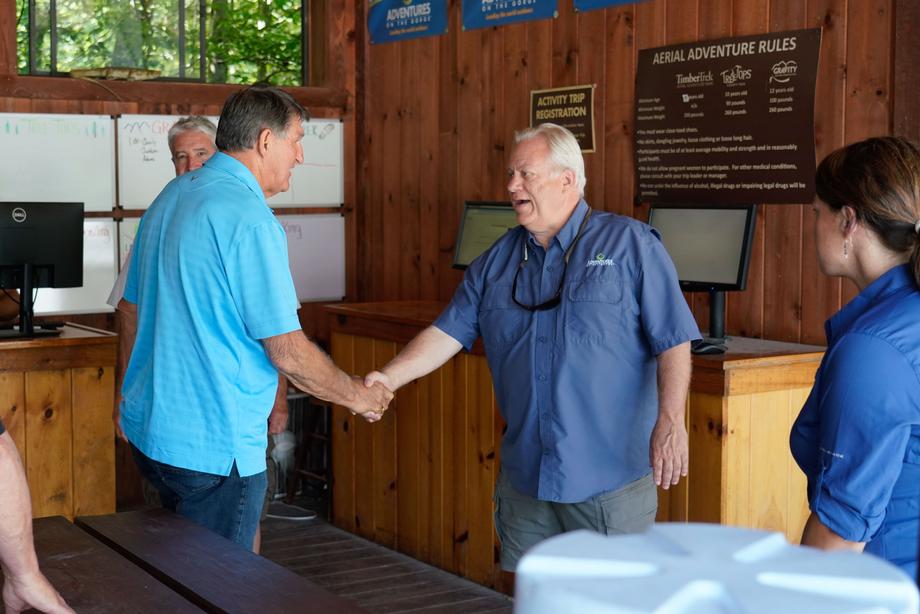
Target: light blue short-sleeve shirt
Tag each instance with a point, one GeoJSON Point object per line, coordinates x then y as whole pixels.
{"type": "Point", "coordinates": [210, 278]}
{"type": "Point", "coordinates": [576, 384]}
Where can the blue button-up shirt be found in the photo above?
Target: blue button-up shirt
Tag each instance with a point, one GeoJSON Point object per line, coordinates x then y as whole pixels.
{"type": "Point", "coordinates": [576, 384]}
{"type": "Point", "coordinates": [857, 438]}
{"type": "Point", "coordinates": [210, 277]}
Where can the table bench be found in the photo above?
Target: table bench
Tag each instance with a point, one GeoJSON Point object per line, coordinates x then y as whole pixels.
{"type": "Point", "coordinates": [207, 570]}
{"type": "Point", "coordinates": [93, 578]}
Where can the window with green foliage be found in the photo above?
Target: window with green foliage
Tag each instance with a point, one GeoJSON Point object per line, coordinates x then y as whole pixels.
{"type": "Point", "coordinates": [213, 41]}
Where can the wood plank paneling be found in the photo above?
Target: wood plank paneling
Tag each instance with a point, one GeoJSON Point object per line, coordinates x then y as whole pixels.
{"type": "Point", "coordinates": [483, 78]}
{"type": "Point", "coordinates": [13, 408]}
{"type": "Point", "coordinates": [48, 442]}
{"type": "Point", "coordinates": [93, 433]}
{"type": "Point", "coordinates": [384, 465]}
{"type": "Point", "coordinates": [343, 442]}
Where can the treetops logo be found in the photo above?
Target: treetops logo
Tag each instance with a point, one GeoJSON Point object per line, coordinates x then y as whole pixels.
{"type": "Point", "coordinates": [783, 71]}
{"type": "Point", "coordinates": [736, 74]}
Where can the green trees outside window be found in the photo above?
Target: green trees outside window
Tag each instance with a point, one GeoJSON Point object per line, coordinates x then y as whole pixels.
{"type": "Point", "coordinates": [213, 41]}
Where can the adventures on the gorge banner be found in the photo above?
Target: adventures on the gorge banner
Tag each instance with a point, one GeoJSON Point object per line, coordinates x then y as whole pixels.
{"type": "Point", "coordinates": [394, 20]}
{"type": "Point", "coordinates": [488, 13]}
{"type": "Point", "coordinates": [728, 120]}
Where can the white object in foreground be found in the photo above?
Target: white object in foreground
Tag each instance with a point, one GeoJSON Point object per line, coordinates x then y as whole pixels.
{"type": "Point", "coordinates": [677, 568]}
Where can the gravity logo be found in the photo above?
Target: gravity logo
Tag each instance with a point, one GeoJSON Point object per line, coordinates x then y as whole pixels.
{"type": "Point", "coordinates": [19, 215]}
{"type": "Point", "coordinates": [783, 71]}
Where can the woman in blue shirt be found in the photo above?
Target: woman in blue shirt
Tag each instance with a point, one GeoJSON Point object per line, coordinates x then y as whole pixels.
{"type": "Point", "coordinates": [857, 438]}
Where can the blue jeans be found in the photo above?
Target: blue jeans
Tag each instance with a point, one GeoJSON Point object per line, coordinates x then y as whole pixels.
{"type": "Point", "coordinates": [228, 505]}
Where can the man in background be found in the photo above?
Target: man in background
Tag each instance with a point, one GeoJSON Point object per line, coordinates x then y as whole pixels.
{"type": "Point", "coordinates": [587, 336]}
{"type": "Point", "coordinates": [217, 322]}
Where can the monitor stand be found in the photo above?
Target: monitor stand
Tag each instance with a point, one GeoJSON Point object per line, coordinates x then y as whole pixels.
{"type": "Point", "coordinates": [26, 328]}
{"type": "Point", "coordinates": [715, 342]}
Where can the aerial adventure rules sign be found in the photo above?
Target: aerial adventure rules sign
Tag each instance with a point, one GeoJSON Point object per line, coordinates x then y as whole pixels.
{"type": "Point", "coordinates": [728, 121]}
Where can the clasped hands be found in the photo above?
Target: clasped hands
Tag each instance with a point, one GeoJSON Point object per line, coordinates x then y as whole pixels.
{"type": "Point", "coordinates": [373, 395]}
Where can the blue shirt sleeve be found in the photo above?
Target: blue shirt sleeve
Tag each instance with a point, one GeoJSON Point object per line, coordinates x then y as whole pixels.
{"type": "Point", "coordinates": [260, 282]}
{"type": "Point", "coordinates": [460, 319]}
{"type": "Point", "coordinates": [866, 412]}
{"type": "Point", "coordinates": [666, 317]}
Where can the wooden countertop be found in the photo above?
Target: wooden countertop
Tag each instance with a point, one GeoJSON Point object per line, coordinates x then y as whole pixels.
{"type": "Point", "coordinates": [76, 346]}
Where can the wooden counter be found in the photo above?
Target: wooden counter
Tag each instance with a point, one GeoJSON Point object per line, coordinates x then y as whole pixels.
{"type": "Point", "coordinates": [421, 480]}
{"type": "Point", "coordinates": [56, 397]}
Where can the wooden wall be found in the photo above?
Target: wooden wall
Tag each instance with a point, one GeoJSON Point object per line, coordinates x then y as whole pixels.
{"type": "Point", "coordinates": [440, 113]}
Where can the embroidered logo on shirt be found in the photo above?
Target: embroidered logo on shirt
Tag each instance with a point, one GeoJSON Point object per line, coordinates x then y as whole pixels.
{"type": "Point", "coordinates": [600, 260]}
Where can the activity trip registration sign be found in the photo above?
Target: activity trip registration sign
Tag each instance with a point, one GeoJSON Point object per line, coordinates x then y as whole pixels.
{"type": "Point", "coordinates": [728, 121]}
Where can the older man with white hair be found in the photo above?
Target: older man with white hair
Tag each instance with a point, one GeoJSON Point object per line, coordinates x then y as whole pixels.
{"type": "Point", "coordinates": [587, 336]}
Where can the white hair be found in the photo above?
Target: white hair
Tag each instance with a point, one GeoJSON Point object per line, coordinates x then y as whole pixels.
{"type": "Point", "coordinates": [188, 124]}
{"type": "Point", "coordinates": [564, 150]}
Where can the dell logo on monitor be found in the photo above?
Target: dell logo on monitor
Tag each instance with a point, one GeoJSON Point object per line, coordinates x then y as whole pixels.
{"type": "Point", "coordinates": [19, 215]}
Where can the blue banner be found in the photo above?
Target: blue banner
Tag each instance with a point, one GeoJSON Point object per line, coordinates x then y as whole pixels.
{"type": "Point", "coordinates": [488, 13]}
{"type": "Point", "coordinates": [587, 5]}
{"type": "Point", "coordinates": [394, 20]}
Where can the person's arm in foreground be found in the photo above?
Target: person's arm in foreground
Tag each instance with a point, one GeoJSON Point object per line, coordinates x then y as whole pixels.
{"type": "Point", "coordinates": [24, 585]}
{"type": "Point", "coordinates": [430, 349]}
{"type": "Point", "coordinates": [668, 448]}
{"type": "Point", "coordinates": [307, 367]}
{"type": "Point", "coordinates": [126, 316]}
{"type": "Point", "coordinates": [818, 535]}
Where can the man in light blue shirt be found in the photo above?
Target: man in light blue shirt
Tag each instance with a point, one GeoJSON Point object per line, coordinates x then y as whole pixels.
{"type": "Point", "coordinates": [217, 320]}
{"type": "Point", "coordinates": [587, 336]}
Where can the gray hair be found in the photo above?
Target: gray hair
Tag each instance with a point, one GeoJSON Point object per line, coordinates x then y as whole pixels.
{"type": "Point", "coordinates": [248, 112]}
{"type": "Point", "coordinates": [188, 124]}
{"type": "Point", "coordinates": [564, 150]}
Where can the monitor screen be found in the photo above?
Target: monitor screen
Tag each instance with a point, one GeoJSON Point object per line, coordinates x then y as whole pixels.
{"type": "Point", "coordinates": [710, 245]}
{"type": "Point", "coordinates": [482, 224]}
{"type": "Point", "coordinates": [49, 236]}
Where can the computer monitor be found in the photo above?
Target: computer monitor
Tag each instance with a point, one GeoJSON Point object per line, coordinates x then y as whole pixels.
{"type": "Point", "coordinates": [41, 246]}
{"type": "Point", "coordinates": [481, 225]}
{"type": "Point", "coordinates": [711, 248]}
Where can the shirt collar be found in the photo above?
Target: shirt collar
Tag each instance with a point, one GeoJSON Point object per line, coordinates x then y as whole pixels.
{"type": "Point", "coordinates": [889, 282]}
{"type": "Point", "coordinates": [570, 229]}
{"type": "Point", "coordinates": [230, 165]}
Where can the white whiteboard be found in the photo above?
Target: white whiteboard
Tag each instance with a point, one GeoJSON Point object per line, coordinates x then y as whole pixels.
{"type": "Point", "coordinates": [64, 158]}
{"type": "Point", "coordinates": [99, 258]}
{"type": "Point", "coordinates": [316, 252]}
{"type": "Point", "coordinates": [320, 180]}
{"type": "Point", "coordinates": [127, 230]}
{"type": "Point", "coordinates": [144, 162]}
{"type": "Point", "coordinates": [145, 166]}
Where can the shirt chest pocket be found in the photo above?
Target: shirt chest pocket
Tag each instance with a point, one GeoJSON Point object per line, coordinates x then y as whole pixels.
{"type": "Point", "coordinates": [595, 306]}
{"type": "Point", "coordinates": [501, 321]}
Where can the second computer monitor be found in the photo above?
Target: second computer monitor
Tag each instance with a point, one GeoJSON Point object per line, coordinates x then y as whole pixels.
{"type": "Point", "coordinates": [709, 244]}
{"type": "Point", "coordinates": [481, 225]}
